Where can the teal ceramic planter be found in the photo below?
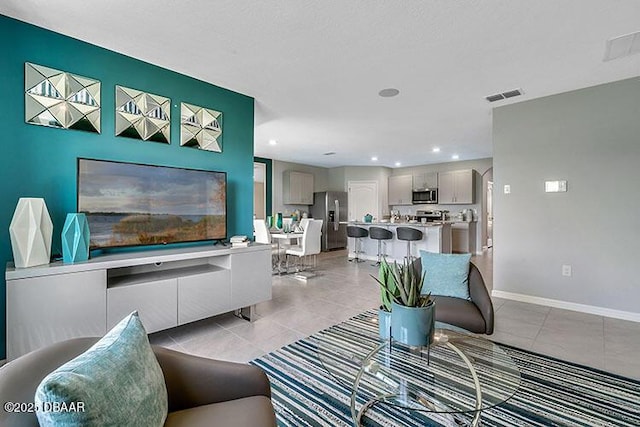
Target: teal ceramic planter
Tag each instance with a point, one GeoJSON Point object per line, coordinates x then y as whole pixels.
{"type": "Point", "coordinates": [384, 324]}
{"type": "Point", "coordinates": [413, 326]}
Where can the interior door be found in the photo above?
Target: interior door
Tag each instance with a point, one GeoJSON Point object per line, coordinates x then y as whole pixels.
{"type": "Point", "coordinates": [362, 199]}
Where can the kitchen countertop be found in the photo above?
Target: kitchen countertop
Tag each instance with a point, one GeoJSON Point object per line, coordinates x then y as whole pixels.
{"type": "Point", "coordinates": [402, 224]}
{"type": "Point", "coordinates": [412, 224]}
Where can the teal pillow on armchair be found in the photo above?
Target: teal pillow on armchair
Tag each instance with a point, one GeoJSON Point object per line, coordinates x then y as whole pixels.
{"type": "Point", "coordinates": [446, 274]}
{"type": "Point", "coordinates": [117, 382]}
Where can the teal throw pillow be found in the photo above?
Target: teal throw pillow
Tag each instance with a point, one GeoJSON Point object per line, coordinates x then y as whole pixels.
{"type": "Point", "coordinates": [446, 274]}
{"type": "Point", "coordinates": [117, 382]}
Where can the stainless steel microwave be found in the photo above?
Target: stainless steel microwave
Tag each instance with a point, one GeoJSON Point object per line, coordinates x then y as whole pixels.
{"type": "Point", "coordinates": [425, 196]}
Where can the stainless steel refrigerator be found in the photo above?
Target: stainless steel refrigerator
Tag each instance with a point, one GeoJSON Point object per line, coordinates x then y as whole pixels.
{"type": "Point", "coordinates": [331, 207]}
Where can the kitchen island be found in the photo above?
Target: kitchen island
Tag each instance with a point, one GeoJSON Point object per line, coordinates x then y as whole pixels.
{"type": "Point", "coordinates": [436, 237]}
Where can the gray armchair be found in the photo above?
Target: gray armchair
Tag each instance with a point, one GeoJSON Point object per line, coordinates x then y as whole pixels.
{"type": "Point", "coordinates": [201, 392]}
{"type": "Point", "coordinates": [474, 315]}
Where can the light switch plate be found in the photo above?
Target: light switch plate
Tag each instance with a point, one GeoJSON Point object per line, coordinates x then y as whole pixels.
{"type": "Point", "coordinates": [555, 186]}
{"type": "Point", "coordinates": [507, 189]}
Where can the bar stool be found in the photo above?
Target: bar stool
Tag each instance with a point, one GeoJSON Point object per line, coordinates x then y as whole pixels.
{"type": "Point", "coordinates": [379, 234]}
{"type": "Point", "coordinates": [357, 233]}
{"type": "Point", "coordinates": [410, 235]}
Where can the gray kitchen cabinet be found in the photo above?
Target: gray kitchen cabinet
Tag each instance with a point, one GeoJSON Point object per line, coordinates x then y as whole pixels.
{"type": "Point", "coordinates": [425, 180]}
{"type": "Point", "coordinates": [456, 187]}
{"type": "Point", "coordinates": [297, 188]}
{"type": "Point", "coordinates": [400, 189]}
{"type": "Point", "coordinates": [463, 237]}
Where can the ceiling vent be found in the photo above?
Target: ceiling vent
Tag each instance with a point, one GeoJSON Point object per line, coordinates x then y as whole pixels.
{"type": "Point", "coordinates": [329, 153]}
{"type": "Point", "coordinates": [621, 46]}
{"type": "Point", "coordinates": [504, 95]}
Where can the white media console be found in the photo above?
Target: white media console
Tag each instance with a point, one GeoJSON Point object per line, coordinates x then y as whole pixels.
{"type": "Point", "coordinates": [168, 287]}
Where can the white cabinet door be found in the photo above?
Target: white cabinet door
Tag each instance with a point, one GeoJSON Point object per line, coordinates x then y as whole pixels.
{"type": "Point", "coordinates": [156, 303]}
{"type": "Point", "coordinates": [49, 309]}
{"type": "Point", "coordinates": [456, 187]}
{"type": "Point", "coordinates": [250, 278]}
{"type": "Point", "coordinates": [419, 181]}
{"type": "Point", "coordinates": [297, 188]}
{"type": "Point", "coordinates": [204, 295]}
{"type": "Point", "coordinates": [446, 187]}
{"type": "Point", "coordinates": [464, 187]}
{"type": "Point", "coordinates": [400, 189]}
{"type": "Point", "coordinates": [425, 180]}
{"type": "Point", "coordinates": [306, 194]}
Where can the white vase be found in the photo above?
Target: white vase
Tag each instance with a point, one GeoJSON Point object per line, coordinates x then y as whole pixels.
{"type": "Point", "coordinates": [31, 231]}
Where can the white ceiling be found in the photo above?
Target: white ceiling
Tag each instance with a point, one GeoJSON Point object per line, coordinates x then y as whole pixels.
{"type": "Point", "coordinates": [315, 67]}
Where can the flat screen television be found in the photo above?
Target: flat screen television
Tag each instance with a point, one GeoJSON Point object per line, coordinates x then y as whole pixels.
{"type": "Point", "coordinates": [129, 204]}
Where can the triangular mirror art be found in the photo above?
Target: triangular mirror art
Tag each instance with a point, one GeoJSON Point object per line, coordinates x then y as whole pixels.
{"type": "Point", "coordinates": [200, 128]}
{"type": "Point", "coordinates": [58, 99]}
{"type": "Point", "coordinates": [142, 115]}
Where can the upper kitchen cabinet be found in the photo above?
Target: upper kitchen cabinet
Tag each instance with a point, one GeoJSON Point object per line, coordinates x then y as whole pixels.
{"type": "Point", "coordinates": [456, 187]}
{"type": "Point", "coordinates": [297, 188]}
{"type": "Point", "coordinates": [400, 189]}
{"type": "Point", "coordinates": [425, 180]}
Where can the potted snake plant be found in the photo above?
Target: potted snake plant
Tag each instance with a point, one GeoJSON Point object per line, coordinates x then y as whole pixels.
{"type": "Point", "coordinates": [413, 313]}
{"type": "Point", "coordinates": [388, 290]}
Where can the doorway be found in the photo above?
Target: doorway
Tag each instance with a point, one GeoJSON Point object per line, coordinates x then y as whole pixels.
{"type": "Point", "coordinates": [489, 214]}
{"type": "Point", "coordinates": [362, 199]}
{"type": "Point", "coordinates": [487, 209]}
{"type": "Point", "coordinates": [259, 190]}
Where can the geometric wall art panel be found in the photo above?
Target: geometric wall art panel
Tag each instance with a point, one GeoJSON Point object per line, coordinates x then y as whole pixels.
{"type": "Point", "coordinates": [62, 100]}
{"type": "Point", "coordinates": [75, 238]}
{"type": "Point", "coordinates": [142, 115]}
{"type": "Point", "coordinates": [200, 128]}
{"type": "Point", "coordinates": [31, 231]}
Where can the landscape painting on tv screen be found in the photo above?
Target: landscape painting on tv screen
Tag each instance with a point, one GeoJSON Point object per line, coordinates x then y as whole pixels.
{"type": "Point", "coordinates": [130, 204]}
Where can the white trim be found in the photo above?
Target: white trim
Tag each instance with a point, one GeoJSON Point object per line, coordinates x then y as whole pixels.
{"type": "Point", "coordinates": [591, 309]}
{"type": "Point", "coordinates": [3, 361]}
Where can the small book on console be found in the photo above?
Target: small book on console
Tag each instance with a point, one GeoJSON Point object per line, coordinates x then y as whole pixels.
{"type": "Point", "coordinates": [240, 244]}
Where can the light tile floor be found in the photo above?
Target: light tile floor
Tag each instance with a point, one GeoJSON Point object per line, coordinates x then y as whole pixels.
{"type": "Point", "coordinates": [342, 289]}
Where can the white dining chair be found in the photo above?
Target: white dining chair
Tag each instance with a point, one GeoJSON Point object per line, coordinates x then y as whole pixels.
{"type": "Point", "coordinates": [263, 235]}
{"type": "Point", "coordinates": [309, 244]}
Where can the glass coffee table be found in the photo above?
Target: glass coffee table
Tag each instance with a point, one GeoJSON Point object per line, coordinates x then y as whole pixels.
{"type": "Point", "coordinates": [458, 374]}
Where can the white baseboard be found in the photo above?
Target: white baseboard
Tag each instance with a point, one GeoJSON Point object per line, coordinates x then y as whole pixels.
{"type": "Point", "coordinates": [591, 309]}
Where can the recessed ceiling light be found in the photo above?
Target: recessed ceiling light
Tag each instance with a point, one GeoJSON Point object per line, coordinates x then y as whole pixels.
{"type": "Point", "coordinates": [374, 159]}
{"type": "Point", "coordinates": [398, 164]}
{"type": "Point", "coordinates": [436, 149]}
{"type": "Point", "coordinates": [455, 157]}
{"type": "Point", "coordinates": [389, 92]}
{"type": "Point", "coordinates": [272, 142]}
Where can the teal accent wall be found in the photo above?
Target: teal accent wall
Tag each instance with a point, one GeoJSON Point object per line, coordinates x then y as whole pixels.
{"type": "Point", "coordinates": [38, 161]}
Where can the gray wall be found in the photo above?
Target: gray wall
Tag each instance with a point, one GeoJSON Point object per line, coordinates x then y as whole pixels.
{"type": "Point", "coordinates": [591, 138]}
{"type": "Point", "coordinates": [480, 166]}
{"type": "Point", "coordinates": [320, 183]}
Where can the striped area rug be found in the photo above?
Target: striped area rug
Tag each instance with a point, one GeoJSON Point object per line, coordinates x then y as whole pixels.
{"type": "Point", "coordinates": [552, 392]}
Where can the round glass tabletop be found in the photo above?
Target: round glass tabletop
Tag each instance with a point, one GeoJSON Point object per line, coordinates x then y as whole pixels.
{"type": "Point", "coordinates": [459, 373]}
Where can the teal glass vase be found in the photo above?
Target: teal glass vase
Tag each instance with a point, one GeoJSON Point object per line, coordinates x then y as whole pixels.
{"type": "Point", "coordinates": [279, 220]}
